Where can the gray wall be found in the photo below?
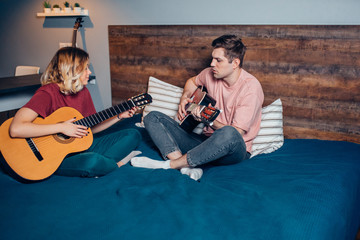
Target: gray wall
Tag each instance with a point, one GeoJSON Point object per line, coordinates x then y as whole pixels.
{"type": "Point", "coordinates": [30, 40]}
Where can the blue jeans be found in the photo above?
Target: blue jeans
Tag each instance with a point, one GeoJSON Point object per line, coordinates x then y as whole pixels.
{"type": "Point", "coordinates": [224, 147]}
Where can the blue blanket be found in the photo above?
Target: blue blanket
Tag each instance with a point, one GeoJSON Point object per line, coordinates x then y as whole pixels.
{"type": "Point", "coordinates": [308, 189]}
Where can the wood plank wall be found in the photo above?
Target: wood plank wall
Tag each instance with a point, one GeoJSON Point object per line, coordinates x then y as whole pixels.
{"type": "Point", "coordinates": [315, 70]}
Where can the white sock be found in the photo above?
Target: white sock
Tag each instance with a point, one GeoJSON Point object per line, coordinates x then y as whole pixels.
{"type": "Point", "coordinates": [126, 159]}
{"type": "Point", "coordinates": [193, 173]}
{"type": "Point", "coordinates": [146, 162]}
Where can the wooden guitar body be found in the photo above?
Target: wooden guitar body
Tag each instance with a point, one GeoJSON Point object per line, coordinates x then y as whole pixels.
{"type": "Point", "coordinates": [39, 157]}
{"type": "Point", "coordinates": [25, 162]}
{"type": "Point", "coordinates": [208, 114]}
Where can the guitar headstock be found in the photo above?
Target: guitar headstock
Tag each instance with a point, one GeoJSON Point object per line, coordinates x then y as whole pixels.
{"type": "Point", "coordinates": [78, 22]}
{"type": "Point", "coordinates": [142, 100]}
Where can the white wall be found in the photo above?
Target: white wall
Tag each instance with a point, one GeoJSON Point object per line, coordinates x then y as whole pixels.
{"type": "Point", "coordinates": [30, 40]}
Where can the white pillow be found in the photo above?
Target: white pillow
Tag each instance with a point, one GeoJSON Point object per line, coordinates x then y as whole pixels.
{"type": "Point", "coordinates": [270, 136]}
{"type": "Point", "coordinates": [166, 98]}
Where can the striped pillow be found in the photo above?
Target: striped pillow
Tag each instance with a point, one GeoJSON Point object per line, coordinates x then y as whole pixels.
{"type": "Point", "coordinates": [270, 136]}
{"type": "Point", "coordinates": [165, 97]}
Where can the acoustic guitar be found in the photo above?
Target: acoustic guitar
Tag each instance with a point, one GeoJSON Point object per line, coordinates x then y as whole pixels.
{"type": "Point", "coordinates": [207, 113]}
{"type": "Point", "coordinates": [38, 158]}
{"type": "Point", "coordinates": [77, 25]}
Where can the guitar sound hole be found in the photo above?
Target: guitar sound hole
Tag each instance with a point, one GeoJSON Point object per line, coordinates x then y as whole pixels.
{"type": "Point", "coordinates": [62, 138]}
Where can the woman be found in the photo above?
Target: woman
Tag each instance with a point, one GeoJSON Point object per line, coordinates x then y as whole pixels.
{"type": "Point", "coordinates": [64, 84]}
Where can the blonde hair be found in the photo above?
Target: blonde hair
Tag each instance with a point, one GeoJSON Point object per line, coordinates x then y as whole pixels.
{"type": "Point", "coordinates": [66, 68]}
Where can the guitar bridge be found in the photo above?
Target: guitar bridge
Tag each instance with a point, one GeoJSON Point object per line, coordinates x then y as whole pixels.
{"type": "Point", "coordinates": [34, 149]}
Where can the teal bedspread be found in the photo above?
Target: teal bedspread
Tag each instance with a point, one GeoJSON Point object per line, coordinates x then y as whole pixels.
{"type": "Point", "coordinates": [308, 189]}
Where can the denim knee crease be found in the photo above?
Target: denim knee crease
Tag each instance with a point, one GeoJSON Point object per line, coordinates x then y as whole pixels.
{"type": "Point", "coordinates": [227, 141]}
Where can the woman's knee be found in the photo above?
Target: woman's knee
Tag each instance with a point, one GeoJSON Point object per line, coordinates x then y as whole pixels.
{"type": "Point", "coordinates": [88, 164]}
{"type": "Point", "coordinates": [134, 134]}
{"type": "Point", "coordinates": [130, 137]}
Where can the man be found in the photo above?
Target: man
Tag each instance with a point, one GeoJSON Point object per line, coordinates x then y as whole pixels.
{"type": "Point", "coordinates": [229, 139]}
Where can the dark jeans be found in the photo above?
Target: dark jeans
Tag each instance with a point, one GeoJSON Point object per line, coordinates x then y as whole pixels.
{"type": "Point", "coordinates": [225, 146]}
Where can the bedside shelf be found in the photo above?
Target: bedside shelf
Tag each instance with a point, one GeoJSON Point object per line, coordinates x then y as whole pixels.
{"type": "Point", "coordinates": [83, 13]}
{"type": "Point", "coordinates": [18, 83]}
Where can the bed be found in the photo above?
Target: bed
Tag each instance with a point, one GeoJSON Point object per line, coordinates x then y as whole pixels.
{"type": "Point", "coordinates": [303, 185]}
{"type": "Point", "coordinates": [307, 189]}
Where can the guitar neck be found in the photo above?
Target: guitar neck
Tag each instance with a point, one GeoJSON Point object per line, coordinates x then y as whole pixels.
{"type": "Point", "coordinates": [99, 117]}
{"type": "Point", "coordinates": [74, 38]}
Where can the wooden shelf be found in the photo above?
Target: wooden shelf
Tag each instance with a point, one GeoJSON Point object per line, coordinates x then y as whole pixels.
{"type": "Point", "coordinates": [18, 83]}
{"type": "Point", "coordinates": [83, 13]}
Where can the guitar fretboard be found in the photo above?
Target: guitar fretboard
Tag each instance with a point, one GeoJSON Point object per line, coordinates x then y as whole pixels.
{"type": "Point", "coordinates": [101, 116]}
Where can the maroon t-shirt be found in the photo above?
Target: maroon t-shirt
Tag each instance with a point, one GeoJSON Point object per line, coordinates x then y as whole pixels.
{"type": "Point", "coordinates": [48, 98]}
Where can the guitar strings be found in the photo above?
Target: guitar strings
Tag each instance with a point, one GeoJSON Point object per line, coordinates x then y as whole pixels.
{"type": "Point", "coordinates": [45, 141]}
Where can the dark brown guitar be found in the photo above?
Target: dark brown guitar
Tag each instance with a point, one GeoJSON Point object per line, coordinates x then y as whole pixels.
{"type": "Point", "coordinates": [77, 25]}
{"type": "Point", "coordinates": [207, 113]}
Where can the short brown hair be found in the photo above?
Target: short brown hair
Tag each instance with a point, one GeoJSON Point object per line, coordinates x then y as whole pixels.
{"type": "Point", "coordinates": [233, 45]}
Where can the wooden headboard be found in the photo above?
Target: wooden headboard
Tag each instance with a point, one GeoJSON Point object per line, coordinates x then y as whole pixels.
{"type": "Point", "coordinates": [315, 70]}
